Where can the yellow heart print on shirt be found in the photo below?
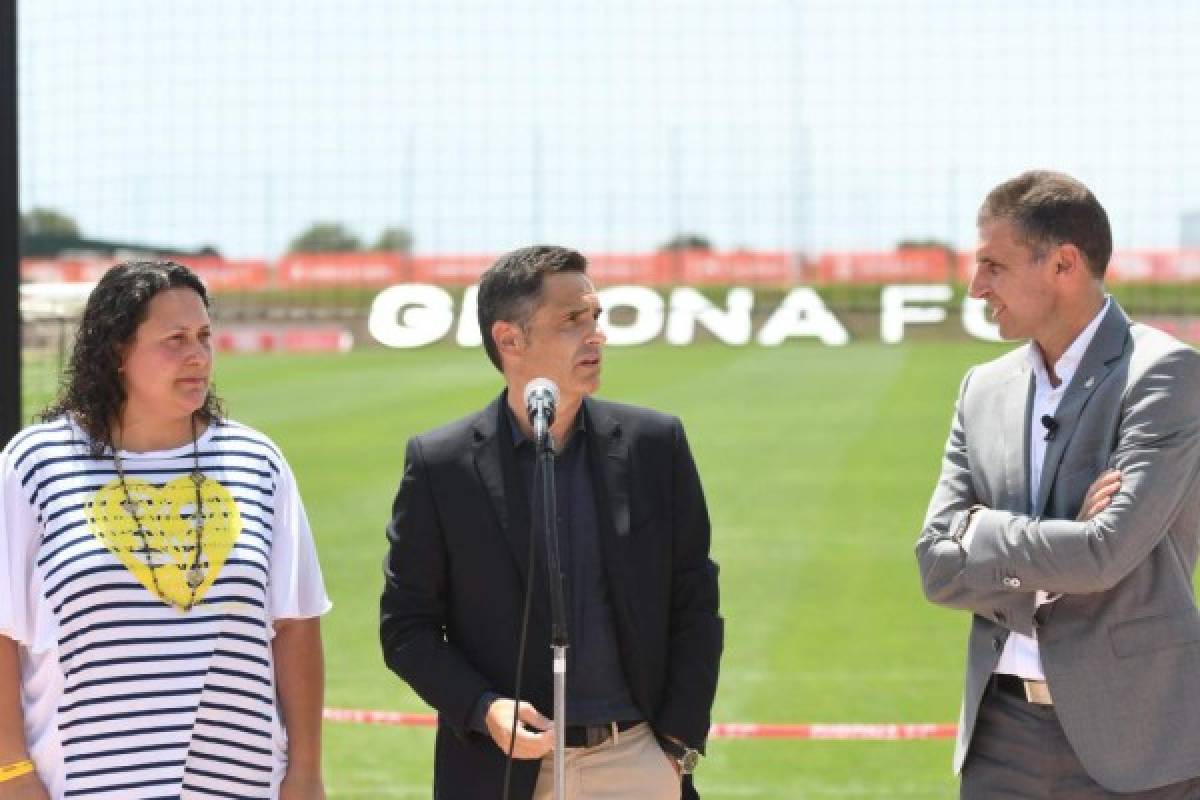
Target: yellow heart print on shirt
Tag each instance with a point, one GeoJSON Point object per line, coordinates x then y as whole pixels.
{"type": "Point", "coordinates": [167, 515]}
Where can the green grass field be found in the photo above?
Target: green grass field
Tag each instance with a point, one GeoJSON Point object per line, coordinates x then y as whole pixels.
{"type": "Point", "coordinates": [816, 489]}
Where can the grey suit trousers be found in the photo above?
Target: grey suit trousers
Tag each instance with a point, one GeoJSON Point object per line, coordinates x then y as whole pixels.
{"type": "Point", "coordinates": [1019, 752]}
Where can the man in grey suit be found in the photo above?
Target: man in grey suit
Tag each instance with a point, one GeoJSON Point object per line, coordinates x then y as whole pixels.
{"type": "Point", "coordinates": [1067, 520]}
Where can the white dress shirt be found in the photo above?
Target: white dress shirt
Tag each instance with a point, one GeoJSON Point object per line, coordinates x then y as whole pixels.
{"type": "Point", "coordinates": [1020, 656]}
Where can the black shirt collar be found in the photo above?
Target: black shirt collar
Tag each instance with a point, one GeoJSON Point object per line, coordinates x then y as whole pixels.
{"type": "Point", "coordinates": [519, 439]}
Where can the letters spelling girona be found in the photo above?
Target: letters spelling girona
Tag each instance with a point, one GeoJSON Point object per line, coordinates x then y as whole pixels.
{"type": "Point", "coordinates": [418, 314]}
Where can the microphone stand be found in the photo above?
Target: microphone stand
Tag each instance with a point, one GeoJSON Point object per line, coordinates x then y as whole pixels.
{"type": "Point", "coordinates": [558, 612]}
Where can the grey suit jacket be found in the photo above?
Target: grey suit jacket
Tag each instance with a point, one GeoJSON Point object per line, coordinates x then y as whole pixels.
{"type": "Point", "coordinates": [1121, 648]}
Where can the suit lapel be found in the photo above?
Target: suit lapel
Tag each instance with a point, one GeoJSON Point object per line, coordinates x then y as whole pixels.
{"type": "Point", "coordinates": [609, 456]}
{"type": "Point", "coordinates": [1018, 400]}
{"type": "Point", "coordinates": [610, 466]}
{"type": "Point", "coordinates": [1104, 351]}
{"type": "Point", "coordinates": [495, 463]}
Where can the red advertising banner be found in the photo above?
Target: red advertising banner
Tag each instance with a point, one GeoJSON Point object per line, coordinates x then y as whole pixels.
{"type": "Point", "coordinates": [1155, 266]}
{"type": "Point", "coordinates": [306, 270]}
{"type": "Point", "coordinates": [293, 339]}
{"type": "Point", "coordinates": [1133, 265]}
{"type": "Point", "coordinates": [220, 275]}
{"type": "Point", "coordinates": [739, 267]}
{"type": "Point", "coordinates": [1130, 266]}
{"type": "Point", "coordinates": [63, 270]}
{"type": "Point", "coordinates": [612, 269]}
{"type": "Point", "coordinates": [450, 270]}
{"type": "Point", "coordinates": [687, 268]}
{"type": "Point", "coordinates": [916, 265]}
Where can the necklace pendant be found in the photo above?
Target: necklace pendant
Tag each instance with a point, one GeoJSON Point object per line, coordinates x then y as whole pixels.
{"type": "Point", "coordinates": [197, 478]}
{"type": "Point", "coordinates": [195, 577]}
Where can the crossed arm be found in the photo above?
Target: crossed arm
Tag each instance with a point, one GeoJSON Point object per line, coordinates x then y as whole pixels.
{"type": "Point", "coordinates": [1158, 458]}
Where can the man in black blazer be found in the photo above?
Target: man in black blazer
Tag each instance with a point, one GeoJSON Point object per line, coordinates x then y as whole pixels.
{"type": "Point", "coordinates": [642, 603]}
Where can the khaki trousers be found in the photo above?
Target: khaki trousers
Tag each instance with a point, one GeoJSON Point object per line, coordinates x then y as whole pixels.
{"type": "Point", "coordinates": [633, 767]}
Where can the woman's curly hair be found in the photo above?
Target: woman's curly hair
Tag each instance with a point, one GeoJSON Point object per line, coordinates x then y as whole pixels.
{"type": "Point", "coordinates": [92, 391]}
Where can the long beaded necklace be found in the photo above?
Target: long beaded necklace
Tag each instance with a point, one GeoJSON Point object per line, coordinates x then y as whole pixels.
{"type": "Point", "coordinates": [195, 573]}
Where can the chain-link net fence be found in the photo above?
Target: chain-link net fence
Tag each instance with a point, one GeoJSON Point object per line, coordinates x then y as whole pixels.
{"type": "Point", "coordinates": [304, 156]}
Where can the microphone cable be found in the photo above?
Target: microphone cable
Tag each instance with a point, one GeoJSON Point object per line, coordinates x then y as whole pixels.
{"type": "Point", "coordinates": [512, 739]}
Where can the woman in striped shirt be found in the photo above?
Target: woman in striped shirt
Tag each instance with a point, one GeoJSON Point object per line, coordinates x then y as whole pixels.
{"type": "Point", "coordinates": [159, 588]}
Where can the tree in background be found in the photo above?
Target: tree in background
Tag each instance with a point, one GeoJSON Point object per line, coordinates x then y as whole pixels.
{"type": "Point", "coordinates": [326, 237]}
{"type": "Point", "coordinates": [948, 252]}
{"type": "Point", "coordinates": [48, 222]}
{"type": "Point", "coordinates": [686, 241]}
{"type": "Point", "coordinates": [49, 233]}
{"type": "Point", "coordinates": [396, 239]}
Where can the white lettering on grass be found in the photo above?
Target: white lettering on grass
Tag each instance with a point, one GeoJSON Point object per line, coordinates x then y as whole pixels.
{"type": "Point", "coordinates": [647, 322]}
{"type": "Point", "coordinates": [975, 321]}
{"type": "Point", "coordinates": [411, 315]}
{"type": "Point", "coordinates": [802, 313]}
{"type": "Point", "coordinates": [730, 325]}
{"type": "Point", "coordinates": [468, 319]}
{"type": "Point", "coordinates": [897, 308]}
{"type": "Point", "coordinates": [417, 314]}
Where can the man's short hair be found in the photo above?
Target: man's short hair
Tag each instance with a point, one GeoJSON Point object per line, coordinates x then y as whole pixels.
{"type": "Point", "coordinates": [511, 289]}
{"type": "Point", "coordinates": [1049, 209]}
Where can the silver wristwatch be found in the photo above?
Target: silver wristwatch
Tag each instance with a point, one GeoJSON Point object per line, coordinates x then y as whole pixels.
{"type": "Point", "coordinates": [686, 757]}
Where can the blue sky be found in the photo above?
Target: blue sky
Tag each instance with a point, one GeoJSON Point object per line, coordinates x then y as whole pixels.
{"type": "Point", "coordinates": [605, 125]}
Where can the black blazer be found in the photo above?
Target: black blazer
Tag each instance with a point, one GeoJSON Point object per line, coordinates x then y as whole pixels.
{"type": "Point", "coordinates": [457, 564]}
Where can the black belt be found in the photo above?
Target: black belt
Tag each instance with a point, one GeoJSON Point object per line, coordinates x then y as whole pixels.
{"type": "Point", "coordinates": [1012, 685]}
{"type": "Point", "coordinates": [592, 735]}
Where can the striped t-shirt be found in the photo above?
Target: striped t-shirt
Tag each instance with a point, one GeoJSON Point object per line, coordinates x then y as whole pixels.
{"type": "Point", "coordinates": [136, 682]}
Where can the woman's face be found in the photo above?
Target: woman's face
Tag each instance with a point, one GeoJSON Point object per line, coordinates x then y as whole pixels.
{"type": "Point", "coordinates": [168, 363]}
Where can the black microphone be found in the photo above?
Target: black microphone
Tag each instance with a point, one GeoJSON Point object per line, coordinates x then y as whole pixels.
{"type": "Point", "coordinates": [1051, 426]}
{"type": "Point", "coordinates": [541, 402]}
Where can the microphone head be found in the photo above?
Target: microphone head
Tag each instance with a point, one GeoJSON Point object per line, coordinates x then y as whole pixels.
{"type": "Point", "coordinates": [538, 389]}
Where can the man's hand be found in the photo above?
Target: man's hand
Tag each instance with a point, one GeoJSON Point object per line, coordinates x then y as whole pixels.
{"type": "Point", "coordinates": [534, 735]}
{"type": "Point", "coordinates": [1099, 494]}
{"type": "Point", "coordinates": [26, 787]}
